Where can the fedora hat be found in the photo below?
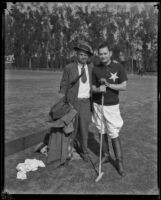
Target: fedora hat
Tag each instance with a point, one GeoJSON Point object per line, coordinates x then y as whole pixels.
{"type": "Point", "coordinates": [82, 45]}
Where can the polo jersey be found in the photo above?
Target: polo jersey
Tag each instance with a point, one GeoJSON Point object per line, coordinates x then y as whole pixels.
{"type": "Point", "coordinates": [114, 73]}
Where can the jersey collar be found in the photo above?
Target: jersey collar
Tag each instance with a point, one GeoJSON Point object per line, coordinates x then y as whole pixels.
{"type": "Point", "coordinates": [106, 66]}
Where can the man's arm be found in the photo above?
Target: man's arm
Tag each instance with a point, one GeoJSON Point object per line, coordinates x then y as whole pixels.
{"type": "Point", "coordinates": [64, 82]}
{"type": "Point", "coordinates": [118, 87]}
{"type": "Point", "coordinates": [95, 89]}
{"type": "Point", "coordinates": [100, 89]}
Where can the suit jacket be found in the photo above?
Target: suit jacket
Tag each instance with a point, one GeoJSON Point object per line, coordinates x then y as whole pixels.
{"type": "Point", "coordinates": [69, 75]}
{"type": "Point", "coordinates": [62, 132]}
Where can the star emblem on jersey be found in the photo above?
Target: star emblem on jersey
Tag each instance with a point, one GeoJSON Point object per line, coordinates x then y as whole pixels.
{"type": "Point", "coordinates": [113, 76]}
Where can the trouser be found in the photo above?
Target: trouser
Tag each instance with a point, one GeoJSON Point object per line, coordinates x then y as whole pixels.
{"type": "Point", "coordinates": [112, 120]}
{"type": "Point", "coordinates": [84, 118]}
{"type": "Point", "coordinates": [112, 124]}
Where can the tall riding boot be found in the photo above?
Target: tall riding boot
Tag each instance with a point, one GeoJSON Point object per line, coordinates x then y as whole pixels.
{"type": "Point", "coordinates": [105, 149]}
{"type": "Point", "coordinates": [118, 154]}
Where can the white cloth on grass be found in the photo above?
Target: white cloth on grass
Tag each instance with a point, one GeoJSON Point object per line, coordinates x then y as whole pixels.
{"type": "Point", "coordinates": [27, 166]}
{"type": "Point", "coordinates": [21, 175]}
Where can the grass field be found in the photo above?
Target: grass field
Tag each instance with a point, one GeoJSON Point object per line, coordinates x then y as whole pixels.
{"type": "Point", "coordinates": [28, 98]}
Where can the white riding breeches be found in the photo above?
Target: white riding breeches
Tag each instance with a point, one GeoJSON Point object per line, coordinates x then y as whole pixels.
{"type": "Point", "coordinates": [112, 121]}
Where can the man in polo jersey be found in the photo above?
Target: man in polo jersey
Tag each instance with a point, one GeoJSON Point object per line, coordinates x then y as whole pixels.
{"type": "Point", "coordinates": [115, 79]}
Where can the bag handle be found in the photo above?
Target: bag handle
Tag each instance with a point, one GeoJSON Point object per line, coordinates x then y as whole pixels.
{"type": "Point", "coordinates": [75, 80]}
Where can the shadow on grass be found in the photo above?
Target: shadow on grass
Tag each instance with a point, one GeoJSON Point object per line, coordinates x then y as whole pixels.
{"type": "Point", "coordinates": [93, 145]}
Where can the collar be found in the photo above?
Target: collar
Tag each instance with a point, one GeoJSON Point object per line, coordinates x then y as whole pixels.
{"type": "Point", "coordinates": [106, 66]}
{"type": "Point", "coordinates": [81, 65]}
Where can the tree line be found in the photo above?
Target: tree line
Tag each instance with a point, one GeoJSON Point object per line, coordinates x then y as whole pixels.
{"type": "Point", "coordinates": [40, 36]}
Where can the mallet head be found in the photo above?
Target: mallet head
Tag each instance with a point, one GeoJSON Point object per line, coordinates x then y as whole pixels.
{"type": "Point", "coordinates": [99, 177]}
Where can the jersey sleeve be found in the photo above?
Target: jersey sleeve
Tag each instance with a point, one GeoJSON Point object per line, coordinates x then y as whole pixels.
{"type": "Point", "coordinates": [122, 74]}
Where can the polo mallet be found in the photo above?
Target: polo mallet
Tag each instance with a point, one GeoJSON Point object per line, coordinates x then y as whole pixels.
{"type": "Point", "coordinates": [100, 171]}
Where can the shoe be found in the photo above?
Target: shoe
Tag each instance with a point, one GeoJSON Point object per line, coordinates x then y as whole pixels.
{"type": "Point", "coordinates": [119, 166]}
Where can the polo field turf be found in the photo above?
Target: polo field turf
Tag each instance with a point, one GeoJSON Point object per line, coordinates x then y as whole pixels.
{"type": "Point", "coordinates": [28, 98]}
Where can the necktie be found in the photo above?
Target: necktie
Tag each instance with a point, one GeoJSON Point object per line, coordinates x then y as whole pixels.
{"type": "Point", "coordinates": [83, 72]}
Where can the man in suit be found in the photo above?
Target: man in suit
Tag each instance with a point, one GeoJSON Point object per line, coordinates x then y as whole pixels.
{"type": "Point", "coordinates": [79, 94]}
